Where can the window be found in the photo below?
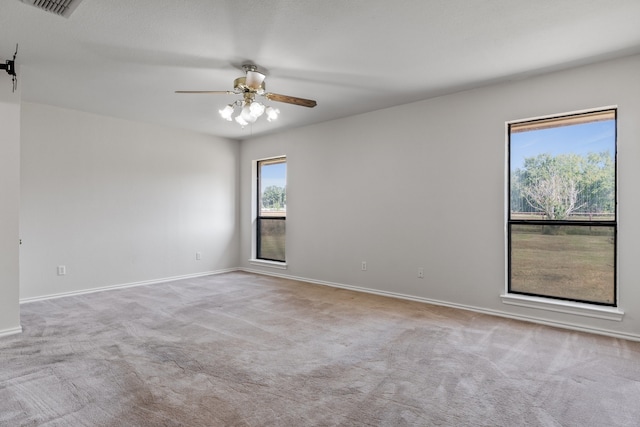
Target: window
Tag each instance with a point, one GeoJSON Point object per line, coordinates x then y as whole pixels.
{"type": "Point", "coordinates": [562, 222]}
{"type": "Point", "coordinates": [272, 209]}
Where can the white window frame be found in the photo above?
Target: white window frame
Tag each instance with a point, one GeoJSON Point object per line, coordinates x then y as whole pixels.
{"type": "Point", "coordinates": [254, 260]}
{"type": "Point", "coordinates": [539, 302]}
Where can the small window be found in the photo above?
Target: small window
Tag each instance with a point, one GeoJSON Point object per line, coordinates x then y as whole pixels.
{"type": "Point", "coordinates": [562, 222]}
{"type": "Point", "coordinates": [272, 209]}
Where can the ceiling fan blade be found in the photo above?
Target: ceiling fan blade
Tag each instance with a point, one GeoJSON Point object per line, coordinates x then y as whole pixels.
{"type": "Point", "coordinates": [290, 100]}
{"type": "Point", "coordinates": [205, 91]}
{"type": "Point", "coordinates": [254, 79]}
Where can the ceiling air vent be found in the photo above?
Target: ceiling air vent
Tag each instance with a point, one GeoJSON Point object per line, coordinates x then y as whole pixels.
{"type": "Point", "coordinates": [57, 7]}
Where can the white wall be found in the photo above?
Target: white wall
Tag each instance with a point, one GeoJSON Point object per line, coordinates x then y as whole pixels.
{"type": "Point", "coordinates": [120, 202]}
{"type": "Point", "coordinates": [423, 185]}
{"type": "Point", "coordinates": [9, 215]}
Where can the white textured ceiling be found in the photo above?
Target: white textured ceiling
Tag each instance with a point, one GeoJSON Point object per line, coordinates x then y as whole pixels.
{"type": "Point", "coordinates": [125, 58]}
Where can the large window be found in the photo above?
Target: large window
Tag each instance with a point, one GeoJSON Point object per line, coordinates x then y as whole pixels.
{"type": "Point", "coordinates": [272, 209]}
{"type": "Point", "coordinates": [562, 207]}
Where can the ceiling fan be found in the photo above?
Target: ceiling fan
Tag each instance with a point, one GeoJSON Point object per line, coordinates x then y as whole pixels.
{"type": "Point", "coordinates": [250, 86]}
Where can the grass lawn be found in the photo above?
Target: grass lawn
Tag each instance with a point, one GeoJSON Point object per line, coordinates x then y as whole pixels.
{"type": "Point", "coordinates": [579, 267]}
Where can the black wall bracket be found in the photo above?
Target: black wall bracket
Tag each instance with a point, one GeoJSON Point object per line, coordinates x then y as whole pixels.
{"type": "Point", "coordinates": [10, 67]}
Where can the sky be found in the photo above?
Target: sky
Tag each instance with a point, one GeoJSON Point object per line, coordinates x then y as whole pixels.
{"type": "Point", "coordinates": [273, 174]}
{"type": "Point", "coordinates": [594, 137]}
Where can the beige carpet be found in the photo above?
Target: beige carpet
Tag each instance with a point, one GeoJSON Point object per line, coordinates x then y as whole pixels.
{"type": "Point", "coordinates": [245, 350]}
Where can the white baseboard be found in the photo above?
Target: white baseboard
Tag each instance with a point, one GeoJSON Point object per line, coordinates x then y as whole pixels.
{"type": "Point", "coordinates": [11, 331]}
{"type": "Point", "coordinates": [498, 313]}
{"type": "Point", "coordinates": [125, 285]}
{"type": "Point", "coordinates": [533, 319]}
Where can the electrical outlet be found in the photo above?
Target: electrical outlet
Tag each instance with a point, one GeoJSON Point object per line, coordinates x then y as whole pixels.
{"type": "Point", "coordinates": [420, 273]}
{"type": "Point", "coordinates": [364, 265]}
{"type": "Point", "coordinates": [198, 256]}
{"type": "Point", "coordinates": [62, 270]}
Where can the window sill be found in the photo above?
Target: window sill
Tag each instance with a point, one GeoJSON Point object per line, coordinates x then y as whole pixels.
{"type": "Point", "coordinates": [568, 307]}
{"type": "Point", "coordinates": [271, 264]}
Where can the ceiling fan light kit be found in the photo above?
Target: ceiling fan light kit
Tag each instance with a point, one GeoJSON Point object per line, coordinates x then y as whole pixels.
{"type": "Point", "coordinates": [249, 110]}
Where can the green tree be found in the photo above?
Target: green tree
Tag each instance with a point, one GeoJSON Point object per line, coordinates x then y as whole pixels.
{"type": "Point", "coordinates": [564, 184]}
{"type": "Point", "coordinates": [599, 183]}
{"type": "Point", "coordinates": [274, 197]}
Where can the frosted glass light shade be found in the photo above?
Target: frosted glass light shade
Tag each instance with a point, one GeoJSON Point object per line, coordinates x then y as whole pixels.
{"type": "Point", "coordinates": [226, 112]}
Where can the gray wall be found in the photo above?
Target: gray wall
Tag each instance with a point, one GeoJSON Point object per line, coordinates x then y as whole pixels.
{"type": "Point", "coordinates": [9, 211]}
{"type": "Point", "coordinates": [419, 185]}
{"type": "Point", "coordinates": [119, 202]}
{"type": "Point", "coordinates": [423, 185]}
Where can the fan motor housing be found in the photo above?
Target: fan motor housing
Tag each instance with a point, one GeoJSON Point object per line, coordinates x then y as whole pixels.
{"type": "Point", "coordinates": [240, 84]}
